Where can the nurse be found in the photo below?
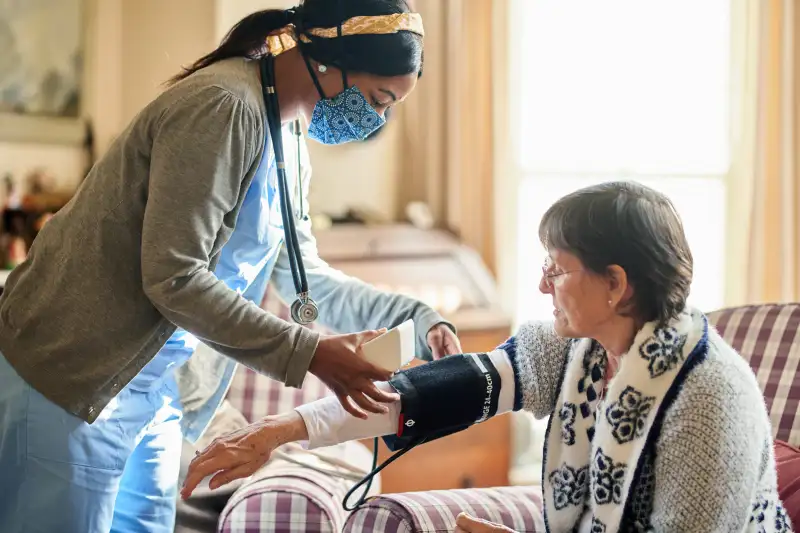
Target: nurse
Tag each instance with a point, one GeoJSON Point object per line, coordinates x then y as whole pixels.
{"type": "Point", "coordinates": [166, 249]}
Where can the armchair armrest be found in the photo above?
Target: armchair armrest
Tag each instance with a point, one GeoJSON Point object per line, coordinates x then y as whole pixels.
{"type": "Point", "coordinates": [519, 508]}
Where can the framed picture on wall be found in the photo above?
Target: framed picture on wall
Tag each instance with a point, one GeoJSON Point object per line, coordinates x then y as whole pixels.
{"type": "Point", "coordinates": [41, 71]}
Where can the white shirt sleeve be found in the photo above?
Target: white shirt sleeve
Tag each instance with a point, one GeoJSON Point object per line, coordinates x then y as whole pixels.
{"type": "Point", "coordinates": [328, 423]}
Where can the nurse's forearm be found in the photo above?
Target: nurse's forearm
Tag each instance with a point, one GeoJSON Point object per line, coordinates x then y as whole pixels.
{"type": "Point", "coordinates": [352, 305]}
{"type": "Point", "coordinates": [233, 326]}
{"type": "Point", "coordinates": [348, 304]}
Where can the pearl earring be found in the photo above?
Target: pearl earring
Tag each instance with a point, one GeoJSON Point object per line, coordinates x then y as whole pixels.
{"type": "Point", "coordinates": [322, 68]}
{"type": "Point", "coordinates": [609, 302]}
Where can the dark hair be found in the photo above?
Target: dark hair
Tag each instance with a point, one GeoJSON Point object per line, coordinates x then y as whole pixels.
{"type": "Point", "coordinates": [395, 54]}
{"type": "Point", "coordinates": [633, 226]}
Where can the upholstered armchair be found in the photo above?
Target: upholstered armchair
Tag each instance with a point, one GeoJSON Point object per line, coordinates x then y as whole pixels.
{"type": "Point", "coordinates": [768, 336]}
{"type": "Point", "coordinates": [298, 499]}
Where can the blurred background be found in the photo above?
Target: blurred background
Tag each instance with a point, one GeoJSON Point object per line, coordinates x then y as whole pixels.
{"type": "Point", "coordinates": [521, 101]}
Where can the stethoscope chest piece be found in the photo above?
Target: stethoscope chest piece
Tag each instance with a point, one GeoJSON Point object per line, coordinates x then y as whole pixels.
{"type": "Point", "coordinates": [304, 311]}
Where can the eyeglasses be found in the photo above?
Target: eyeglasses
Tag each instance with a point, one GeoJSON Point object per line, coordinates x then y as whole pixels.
{"type": "Point", "coordinates": [549, 276]}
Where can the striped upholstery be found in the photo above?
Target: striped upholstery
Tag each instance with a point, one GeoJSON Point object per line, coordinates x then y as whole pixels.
{"type": "Point", "coordinates": [257, 396]}
{"type": "Point", "coordinates": [292, 503]}
{"type": "Point", "coordinates": [768, 337]}
{"type": "Point", "coordinates": [436, 511]}
{"type": "Point", "coordinates": [288, 498]}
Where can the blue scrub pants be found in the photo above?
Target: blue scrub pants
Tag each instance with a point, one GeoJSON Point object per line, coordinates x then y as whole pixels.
{"type": "Point", "coordinates": [60, 474]}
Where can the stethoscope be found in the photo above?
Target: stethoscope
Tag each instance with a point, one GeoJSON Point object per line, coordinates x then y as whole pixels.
{"type": "Point", "coordinates": [304, 310]}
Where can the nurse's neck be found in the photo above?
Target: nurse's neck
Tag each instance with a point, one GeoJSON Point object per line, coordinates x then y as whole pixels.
{"type": "Point", "coordinates": [297, 93]}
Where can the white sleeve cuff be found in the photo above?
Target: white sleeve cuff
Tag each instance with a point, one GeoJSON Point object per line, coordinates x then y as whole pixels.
{"type": "Point", "coordinates": [328, 423]}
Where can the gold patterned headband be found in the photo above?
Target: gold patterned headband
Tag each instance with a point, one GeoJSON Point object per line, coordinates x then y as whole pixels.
{"type": "Point", "coordinates": [284, 39]}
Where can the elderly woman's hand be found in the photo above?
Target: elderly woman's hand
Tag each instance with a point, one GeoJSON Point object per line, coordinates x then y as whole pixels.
{"type": "Point", "coordinates": [468, 524]}
{"type": "Point", "coordinates": [241, 453]}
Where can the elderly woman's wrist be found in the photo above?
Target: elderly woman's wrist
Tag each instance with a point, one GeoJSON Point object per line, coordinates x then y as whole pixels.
{"type": "Point", "coordinates": [291, 427]}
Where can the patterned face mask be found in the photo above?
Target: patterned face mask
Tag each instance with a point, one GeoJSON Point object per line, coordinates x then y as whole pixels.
{"type": "Point", "coordinates": [346, 117]}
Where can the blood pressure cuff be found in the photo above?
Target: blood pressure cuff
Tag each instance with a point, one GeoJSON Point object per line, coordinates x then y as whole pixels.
{"type": "Point", "coordinates": [444, 397]}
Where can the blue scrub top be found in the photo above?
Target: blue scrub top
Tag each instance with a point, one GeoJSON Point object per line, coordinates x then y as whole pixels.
{"type": "Point", "coordinates": [245, 265]}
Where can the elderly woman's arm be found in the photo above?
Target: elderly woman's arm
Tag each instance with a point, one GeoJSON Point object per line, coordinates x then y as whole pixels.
{"type": "Point", "coordinates": [530, 366]}
{"type": "Point", "coordinates": [539, 357]}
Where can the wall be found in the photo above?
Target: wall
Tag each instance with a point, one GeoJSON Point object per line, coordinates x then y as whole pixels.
{"type": "Point", "coordinates": [104, 70]}
{"type": "Point", "coordinates": [64, 163]}
{"type": "Point", "coordinates": [67, 163]}
{"type": "Point", "coordinates": [131, 47]}
{"type": "Point", "coordinates": [135, 45]}
{"type": "Point", "coordinates": [158, 38]}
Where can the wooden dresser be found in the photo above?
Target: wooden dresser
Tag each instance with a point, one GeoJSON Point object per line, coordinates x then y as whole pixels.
{"type": "Point", "coordinates": [434, 267]}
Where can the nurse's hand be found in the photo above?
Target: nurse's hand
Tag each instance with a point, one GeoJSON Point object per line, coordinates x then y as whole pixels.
{"type": "Point", "coordinates": [241, 453]}
{"type": "Point", "coordinates": [339, 364]}
{"type": "Point", "coordinates": [443, 341]}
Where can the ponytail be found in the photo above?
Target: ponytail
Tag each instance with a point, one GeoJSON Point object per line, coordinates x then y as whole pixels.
{"type": "Point", "coordinates": [246, 39]}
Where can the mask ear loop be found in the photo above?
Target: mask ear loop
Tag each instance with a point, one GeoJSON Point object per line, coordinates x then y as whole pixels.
{"type": "Point", "coordinates": [301, 45]}
{"type": "Point", "coordinates": [311, 70]}
{"type": "Point", "coordinates": [303, 52]}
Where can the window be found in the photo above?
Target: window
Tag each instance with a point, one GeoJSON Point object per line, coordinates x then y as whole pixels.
{"type": "Point", "coordinates": [622, 89]}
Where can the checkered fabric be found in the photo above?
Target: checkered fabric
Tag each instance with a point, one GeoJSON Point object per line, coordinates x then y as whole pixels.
{"type": "Point", "coordinates": [768, 337]}
{"type": "Point", "coordinates": [289, 498]}
{"type": "Point", "coordinates": [289, 504]}
{"type": "Point", "coordinates": [435, 511]}
{"type": "Point", "coordinates": [257, 396]}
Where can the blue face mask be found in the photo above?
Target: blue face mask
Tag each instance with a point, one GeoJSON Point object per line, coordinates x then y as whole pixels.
{"type": "Point", "coordinates": [344, 118]}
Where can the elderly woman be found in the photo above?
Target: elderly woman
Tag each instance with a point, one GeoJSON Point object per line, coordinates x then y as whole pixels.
{"type": "Point", "coordinates": [658, 424]}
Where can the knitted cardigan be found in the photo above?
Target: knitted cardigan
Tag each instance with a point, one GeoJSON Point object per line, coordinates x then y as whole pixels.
{"type": "Point", "coordinates": [708, 466]}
